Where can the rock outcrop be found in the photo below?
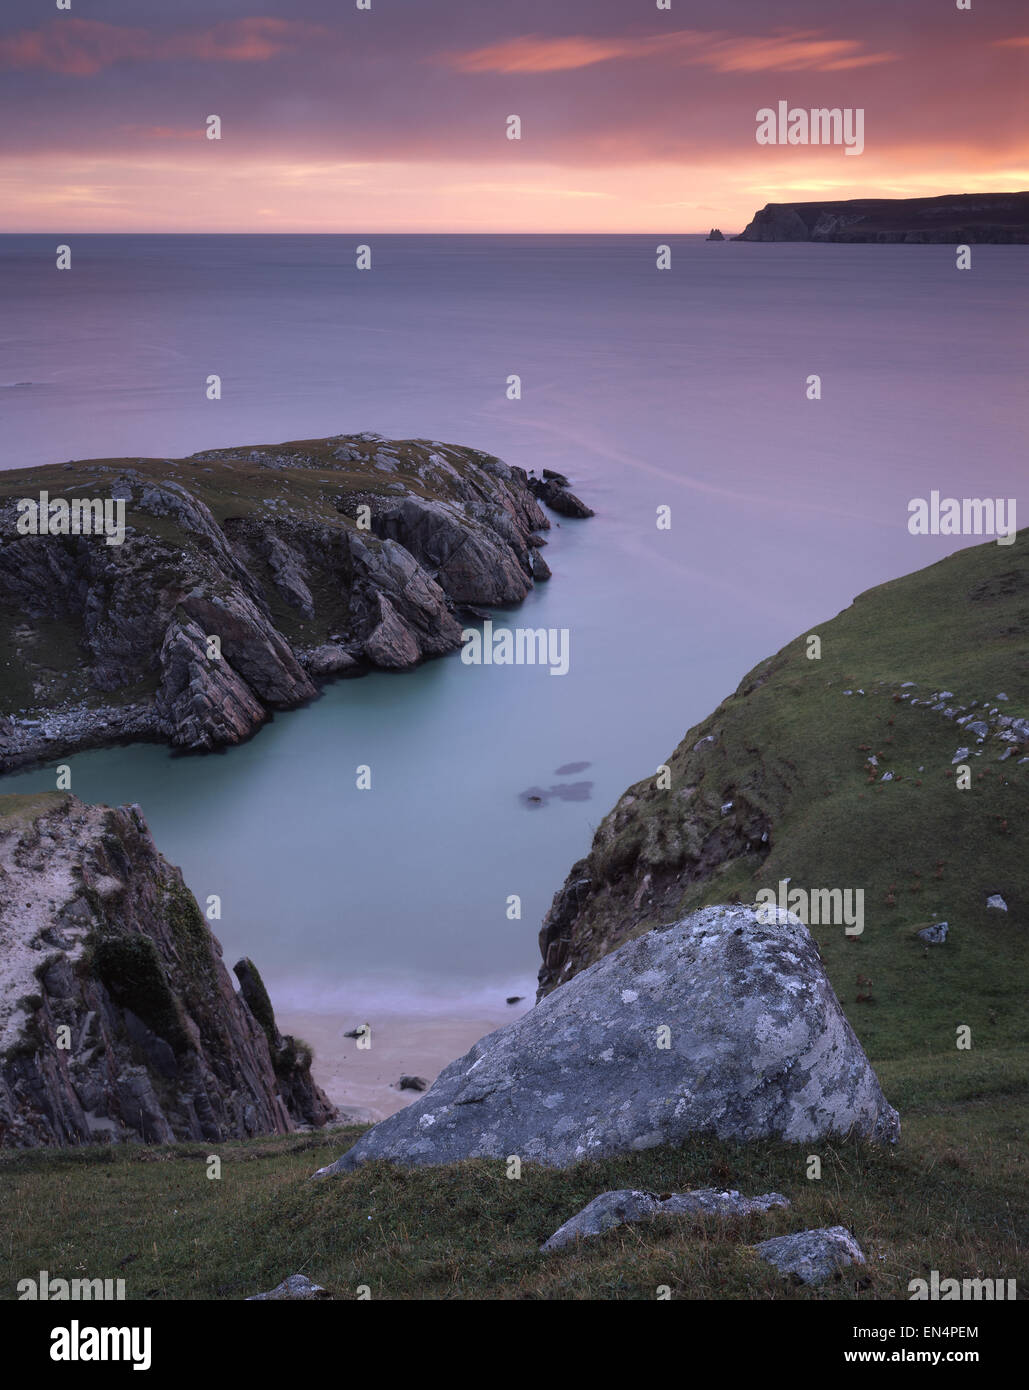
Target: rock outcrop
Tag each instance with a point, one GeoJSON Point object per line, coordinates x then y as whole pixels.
{"type": "Point", "coordinates": [118, 1020]}
{"type": "Point", "coordinates": [954, 218]}
{"type": "Point", "coordinates": [556, 495]}
{"type": "Point", "coordinates": [204, 703]}
{"type": "Point", "coordinates": [621, 1208]}
{"type": "Point", "coordinates": [243, 579]}
{"type": "Point", "coordinates": [715, 235]}
{"type": "Point", "coordinates": [721, 1024]}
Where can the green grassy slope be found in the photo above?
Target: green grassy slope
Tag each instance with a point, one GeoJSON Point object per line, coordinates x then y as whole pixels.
{"type": "Point", "coordinates": [953, 1197]}
{"type": "Point", "coordinates": [246, 480]}
{"type": "Point", "coordinates": [790, 750]}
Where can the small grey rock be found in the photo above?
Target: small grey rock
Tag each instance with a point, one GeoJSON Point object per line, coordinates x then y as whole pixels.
{"type": "Point", "coordinates": [619, 1208]}
{"type": "Point", "coordinates": [328, 660]}
{"type": "Point", "coordinates": [935, 935]}
{"type": "Point", "coordinates": [813, 1256]}
{"type": "Point", "coordinates": [297, 1286]}
{"type": "Point", "coordinates": [995, 900]}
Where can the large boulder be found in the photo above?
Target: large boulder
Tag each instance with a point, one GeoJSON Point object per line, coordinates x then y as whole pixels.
{"type": "Point", "coordinates": [720, 1024]}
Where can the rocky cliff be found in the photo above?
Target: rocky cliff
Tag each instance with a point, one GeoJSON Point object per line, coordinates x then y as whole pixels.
{"type": "Point", "coordinates": [244, 578]}
{"type": "Point", "coordinates": [955, 218]}
{"type": "Point", "coordinates": [839, 766]}
{"type": "Point", "coordinates": [118, 1019]}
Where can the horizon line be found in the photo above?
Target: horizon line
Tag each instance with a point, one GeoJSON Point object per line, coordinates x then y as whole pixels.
{"type": "Point", "coordinates": [47, 231]}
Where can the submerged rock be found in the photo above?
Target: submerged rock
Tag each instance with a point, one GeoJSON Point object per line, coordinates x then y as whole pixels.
{"type": "Point", "coordinates": [719, 1024]}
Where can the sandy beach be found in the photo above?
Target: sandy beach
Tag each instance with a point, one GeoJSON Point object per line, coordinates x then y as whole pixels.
{"type": "Point", "coordinates": [362, 1081]}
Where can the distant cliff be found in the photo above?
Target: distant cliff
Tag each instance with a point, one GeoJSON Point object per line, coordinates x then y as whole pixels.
{"type": "Point", "coordinates": [958, 217]}
{"type": "Point", "coordinates": [118, 1019]}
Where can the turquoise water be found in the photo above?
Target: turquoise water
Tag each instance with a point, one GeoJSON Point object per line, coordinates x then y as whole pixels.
{"type": "Point", "coordinates": [683, 389]}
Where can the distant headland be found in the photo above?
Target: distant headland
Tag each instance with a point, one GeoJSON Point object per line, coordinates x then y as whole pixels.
{"type": "Point", "coordinates": [954, 218]}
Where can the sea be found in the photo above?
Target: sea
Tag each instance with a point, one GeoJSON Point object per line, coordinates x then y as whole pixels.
{"type": "Point", "coordinates": [738, 504]}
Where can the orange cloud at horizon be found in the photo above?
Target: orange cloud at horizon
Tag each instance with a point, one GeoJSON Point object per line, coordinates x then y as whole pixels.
{"type": "Point", "coordinates": [799, 51]}
{"type": "Point", "coordinates": [85, 194]}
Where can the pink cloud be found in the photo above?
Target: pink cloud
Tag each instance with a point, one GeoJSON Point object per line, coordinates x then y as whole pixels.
{"type": "Point", "coordinates": [84, 47]}
{"type": "Point", "coordinates": [784, 52]}
{"type": "Point", "coordinates": [535, 54]}
{"type": "Point", "coordinates": [166, 132]}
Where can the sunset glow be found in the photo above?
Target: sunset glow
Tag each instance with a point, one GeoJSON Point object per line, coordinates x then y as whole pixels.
{"type": "Point", "coordinates": [394, 119]}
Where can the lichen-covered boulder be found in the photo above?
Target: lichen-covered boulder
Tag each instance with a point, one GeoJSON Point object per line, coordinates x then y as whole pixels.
{"type": "Point", "coordinates": [812, 1257]}
{"type": "Point", "coordinates": [721, 1024]}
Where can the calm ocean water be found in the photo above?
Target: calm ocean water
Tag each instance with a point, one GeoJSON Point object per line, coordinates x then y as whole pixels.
{"type": "Point", "coordinates": [683, 389]}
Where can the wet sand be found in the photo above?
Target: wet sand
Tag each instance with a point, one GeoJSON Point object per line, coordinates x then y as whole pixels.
{"type": "Point", "coordinates": [362, 1081]}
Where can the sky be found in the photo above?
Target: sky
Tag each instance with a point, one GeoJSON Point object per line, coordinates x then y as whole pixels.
{"type": "Point", "coordinates": [394, 117]}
